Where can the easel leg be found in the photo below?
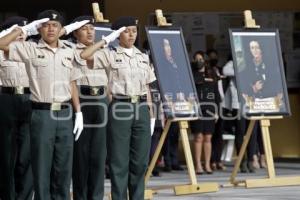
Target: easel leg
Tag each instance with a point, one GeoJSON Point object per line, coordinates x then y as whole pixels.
{"type": "Point", "coordinates": [272, 180]}
{"type": "Point", "coordinates": [242, 152]}
{"type": "Point", "coordinates": [157, 151]}
{"type": "Point", "coordinates": [187, 151]}
{"type": "Point", "coordinates": [182, 189]}
{"type": "Point", "coordinates": [194, 187]}
{"type": "Point", "coordinates": [265, 124]}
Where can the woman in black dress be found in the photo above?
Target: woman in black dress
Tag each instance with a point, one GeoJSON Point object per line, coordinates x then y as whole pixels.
{"type": "Point", "coordinates": [207, 89]}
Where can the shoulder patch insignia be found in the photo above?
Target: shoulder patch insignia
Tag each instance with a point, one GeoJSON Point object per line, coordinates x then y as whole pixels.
{"type": "Point", "coordinates": [112, 48]}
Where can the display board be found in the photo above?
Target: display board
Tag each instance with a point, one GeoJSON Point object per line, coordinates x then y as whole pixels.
{"type": "Point", "coordinates": [173, 72]}
{"type": "Point", "coordinates": [259, 72]}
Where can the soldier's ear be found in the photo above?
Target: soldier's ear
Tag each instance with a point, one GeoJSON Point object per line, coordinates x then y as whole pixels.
{"type": "Point", "coordinates": [75, 34]}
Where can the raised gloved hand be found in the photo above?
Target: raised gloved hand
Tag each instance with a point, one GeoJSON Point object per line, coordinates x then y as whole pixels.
{"type": "Point", "coordinates": [78, 127]}
{"type": "Point", "coordinates": [114, 35]}
{"type": "Point", "coordinates": [74, 26]}
{"type": "Point", "coordinates": [7, 31]}
{"type": "Point", "coordinates": [31, 28]}
{"type": "Point", "coordinates": [152, 124]}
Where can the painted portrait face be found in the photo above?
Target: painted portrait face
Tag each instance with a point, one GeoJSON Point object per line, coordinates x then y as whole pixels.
{"type": "Point", "coordinates": [255, 50]}
{"type": "Point", "coordinates": [167, 48]}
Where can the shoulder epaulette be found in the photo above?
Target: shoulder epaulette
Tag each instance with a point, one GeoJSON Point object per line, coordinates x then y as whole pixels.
{"type": "Point", "coordinates": [112, 48]}
{"type": "Point", "coordinates": [31, 39]}
{"type": "Point", "coordinates": [68, 44]}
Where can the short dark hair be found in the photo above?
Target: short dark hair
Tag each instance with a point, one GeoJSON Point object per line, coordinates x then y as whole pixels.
{"type": "Point", "coordinates": [198, 52]}
{"type": "Point", "coordinates": [209, 51]}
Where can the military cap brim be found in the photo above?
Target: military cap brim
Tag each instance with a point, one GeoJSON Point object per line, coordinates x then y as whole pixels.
{"type": "Point", "coordinates": [20, 21]}
{"type": "Point", "coordinates": [84, 17]}
{"type": "Point", "coordinates": [124, 21]}
{"type": "Point", "coordinates": [53, 15]}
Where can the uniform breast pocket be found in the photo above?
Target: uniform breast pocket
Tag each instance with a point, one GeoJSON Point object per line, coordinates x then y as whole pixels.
{"type": "Point", "coordinates": [142, 72]}
{"type": "Point", "coordinates": [67, 68]}
{"type": "Point", "coordinates": [8, 69]}
{"type": "Point", "coordinates": [119, 71]}
{"type": "Point", "coordinates": [39, 69]}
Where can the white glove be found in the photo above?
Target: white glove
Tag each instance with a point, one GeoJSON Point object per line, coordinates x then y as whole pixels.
{"type": "Point", "coordinates": [31, 28]}
{"type": "Point", "coordinates": [7, 31]}
{"type": "Point", "coordinates": [114, 35]}
{"type": "Point", "coordinates": [74, 26]}
{"type": "Point", "coordinates": [152, 123]}
{"type": "Point", "coordinates": [78, 127]}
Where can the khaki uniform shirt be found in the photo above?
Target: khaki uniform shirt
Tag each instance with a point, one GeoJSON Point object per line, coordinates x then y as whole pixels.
{"type": "Point", "coordinates": [128, 74]}
{"type": "Point", "coordinates": [91, 77]}
{"type": "Point", "coordinates": [50, 72]}
{"type": "Point", "coordinates": [12, 74]}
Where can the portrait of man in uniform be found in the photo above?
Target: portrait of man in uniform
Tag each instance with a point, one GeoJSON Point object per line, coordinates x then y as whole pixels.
{"type": "Point", "coordinates": [173, 70]}
{"type": "Point", "coordinates": [260, 76]}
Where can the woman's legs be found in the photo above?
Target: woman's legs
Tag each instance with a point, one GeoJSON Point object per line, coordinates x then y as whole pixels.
{"type": "Point", "coordinates": [207, 151]}
{"type": "Point", "coordinates": [217, 145]}
{"type": "Point", "coordinates": [198, 140]}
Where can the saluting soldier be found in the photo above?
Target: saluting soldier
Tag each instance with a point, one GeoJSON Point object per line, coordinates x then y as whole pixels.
{"type": "Point", "coordinates": [15, 109]}
{"type": "Point", "coordinates": [129, 75]}
{"type": "Point", "coordinates": [90, 149]}
{"type": "Point", "coordinates": [52, 80]}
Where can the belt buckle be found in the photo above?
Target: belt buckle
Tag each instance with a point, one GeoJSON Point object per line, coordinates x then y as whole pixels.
{"type": "Point", "coordinates": [19, 90]}
{"type": "Point", "coordinates": [134, 99]}
{"type": "Point", "coordinates": [94, 91]}
{"type": "Point", "coordinates": [55, 106]}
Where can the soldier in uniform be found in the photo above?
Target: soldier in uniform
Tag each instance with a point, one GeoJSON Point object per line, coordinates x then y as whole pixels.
{"type": "Point", "coordinates": [90, 149]}
{"type": "Point", "coordinates": [15, 108]}
{"type": "Point", "coordinates": [129, 75]}
{"type": "Point", "coordinates": [52, 80]}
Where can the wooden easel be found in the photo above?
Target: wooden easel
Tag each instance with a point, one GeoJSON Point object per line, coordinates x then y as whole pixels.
{"type": "Point", "coordinates": [194, 187]}
{"type": "Point", "coordinates": [97, 14]}
{"type": "Point", "coordinates": [271, 180]}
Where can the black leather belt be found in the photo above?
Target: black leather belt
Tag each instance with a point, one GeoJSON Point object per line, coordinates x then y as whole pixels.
{"type": "Point", "coordinates": [92, 90]}
{"type": "Point", "coordinates": [51, 106]}
{"type": "Point", "coordinates": [15, 90]}
{"type": "Point", "coordinates": [130, 99]}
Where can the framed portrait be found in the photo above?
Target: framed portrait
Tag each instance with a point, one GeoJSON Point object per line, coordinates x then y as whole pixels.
{"type": "Point", "coordinates": [259, 72]}
{"type": "Point", "coordinates": [173, 72]}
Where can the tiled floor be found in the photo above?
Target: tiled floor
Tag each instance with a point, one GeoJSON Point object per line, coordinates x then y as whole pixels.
{"type": "Point", "coordinates": [227, 193]}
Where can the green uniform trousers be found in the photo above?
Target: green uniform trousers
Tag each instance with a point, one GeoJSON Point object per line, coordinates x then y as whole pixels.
{"type": "Point", "coordinates": [52, 142]}
{"type": "Point", "coordinates": [90, 151]}
{"type": "Point", "coordinates": [128, 152]}
{"type": "Point", "coordinates": [15, 170]}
